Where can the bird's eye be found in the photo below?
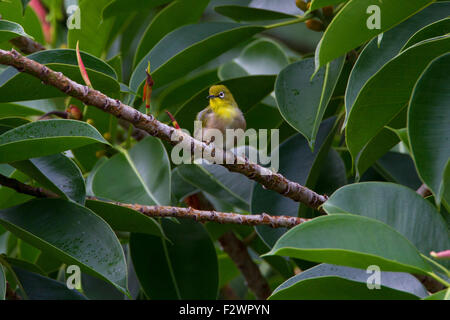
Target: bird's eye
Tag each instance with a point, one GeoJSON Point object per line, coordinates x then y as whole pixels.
{"type": "Point", "coordinates": [221, 95]}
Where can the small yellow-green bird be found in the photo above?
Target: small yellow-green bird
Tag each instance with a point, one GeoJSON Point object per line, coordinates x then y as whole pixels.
{"type": "Point", "coordinates": [222, 113]}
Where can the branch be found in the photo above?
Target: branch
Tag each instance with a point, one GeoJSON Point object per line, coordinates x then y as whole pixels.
{"type": "Point", "coordinates": [26, 45]}
{"type": "Point", "coordinates": [166, 211]}
{"type": "Point", "coordinates": [264, 176]}
{"type": "Point", "coordinates": [238, 252]}
{"type": "Point", "coordinates": [26, 189]}
{"type": "Point", "coordinates": [214, 216]}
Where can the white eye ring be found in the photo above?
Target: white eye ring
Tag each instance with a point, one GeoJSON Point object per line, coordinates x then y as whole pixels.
{"type": "Point", "coordinates": [221, 95]}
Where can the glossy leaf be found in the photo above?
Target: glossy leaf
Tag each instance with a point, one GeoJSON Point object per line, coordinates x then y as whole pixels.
{"type": "Point", "coordinates": [242, 13]}
{"type": "Point", "coordinates": [56, 173]}
{"type": "Point", "coordinates": [365, 121]}
{"type": "Point", "coordinates": [327, 281]}
{"type": "Point", "coordinates": [232, 188]}
{"type": "Point", "coordinates": [2, 283]}
{"type": "Point", "coordinates": [124, 219]}
{"type": "Point", "coordinates": [435, 29]}
{"type": "Point", "coordinates": [428, 125]}
{"type": "Point", "coordinates": [351, 240]}
{"type": "Point", "coordinates": [47, 137]}
{"type": "Point", "coordinates": [72, 233]}
{"type": "Point", "coordinates": [140, 175]}
{"type": "Point", "coordinates": [349, 28]}
{"type": "Point", "coordinates": [180, 187]}
{"type": "Point", "coordinates": [9, 197]}
{"type": "Point", "coordinates": [13, 10]}
{"type": "Point", "coordinates": [93, 31]}
{"type": "Point", "coordinates": [399, 168]}
{"type": "Point", "coordinates": [17, 110]}
{"type": "Point", "coordinates": [317, 4]}
{"type": "Point", "coordinates": [185, 269]}
{"type": "Point", "coordinates": [400, 207]}
{"type": "Point", "coordinates": [262, 56]}
{"type": "Point", "coordinates": [303, 101]}
{"type": "Point", "coordinates": [375, 56]}
{"type": "Point", "coordinates": [175, 15]}
{"type": "Point", "coordinates": [9, 30]}
{"type": "Point", "coordinates": [16, 86]}
{"type": "Point", "coordinates": [299, 164]}
{"type": "Point", "coordinates": [189, 47]}
{"type": "Point", "coordinates": [38, 287]}
{"type": "Point", "coordinates": [117, 7]}
{"type": "Point", "coordinates": [175, 96]}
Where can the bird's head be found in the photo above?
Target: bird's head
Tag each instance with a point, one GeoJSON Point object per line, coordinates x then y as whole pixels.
{"type": "Point", "coordinates": [220, 97]}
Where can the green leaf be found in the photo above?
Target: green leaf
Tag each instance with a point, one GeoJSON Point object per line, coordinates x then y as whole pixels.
{"type": "Point", "coordinates": [441, 295]}
{"type": "Point", "coordinates": [46, 137]}
{"type": "Point", "coordinates": [16, 86]}
{"type": "Point", "coordinates": [375, 56]}
{"type": "Point", "coordinates": [247, 91]}
{"type": "Point", "coordinates": [9, 30]}
{"type": "Point", "coordinates": [10, 123]}
{"type": "Point", "coordinates": [352, 241]}
{"type": "Point", "coordinates": [56, 173]}
{"type": "Point", "coordinates": [24, 5]}
{"type": "Point", "coordinates": [428, 125]}
{"type": "Point", "coordinates": [140, 175]}
{"type": "Point", "coordinates": [117, 7]}
{"type": "Point", "coordinates": [124, 219]}
{"type": "Point", "coordinates": [94, 31]}
{"type": "Point", "coordinates": [435, 29]}
{"type": "Point", "coordinates": [230, 187]}
{"type": "Point", "coordinates": [181, 188]}
{"type": "Point", "coordinates": [175, 15]}
{"type": "Point", "coordinates": [327, 281]}
{"type": "Point", "coordinates": [297, 163]}
{"type": "Point", "coordinates": [188, 48]}
{"type": "Point", "coordinates": [317, 4]}
{"type": "Point", "coordinates": [349, 28]}
{"type": "Point", "coordinates": [175, 96]}
{"type": "Point", "coordinates": [262, 56]}
{"type": "Point", "coordinates": [13, 10]}
{"type": "Point", "coordinates": [242, 13]}
{"type": "Point", "coordinates": [2, 283]}
{"type": "Point", "coordinates": [71, 233]}
{"type": "Point", "coordinates": [303, 102]}
{"type": "Point", "coordinates": [10, 197]}
{"type": "Point", "coordinates": [17, 110]}
{"type": "Point", "coordinates": [400, 207]}
{"type": "Point", "coordinates": [365, 121]}
{"type": "Point", "coordinates": [38, 287]}
{"type": "Point", "coordinates": [186, 269]}
{"type": "Point", "coordinates": [398, 168]}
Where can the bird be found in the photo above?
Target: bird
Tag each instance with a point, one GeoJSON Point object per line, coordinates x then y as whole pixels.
{"type": "Point", "coordinates": [222, 113]}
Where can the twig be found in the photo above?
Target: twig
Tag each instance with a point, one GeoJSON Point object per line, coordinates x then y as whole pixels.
{"type": "Point", "coordinates": [26, 189]}
{"type": "Point", "coordinates": [264, 176]}
{"type": "Point", "coordinates": [237, 251]}
{"type": "Point", "coordinates": [166, 211]}
{"type": "Point", "coordinates": [214, 216]}
{"type": "Point", "coordinates": [26, 45]}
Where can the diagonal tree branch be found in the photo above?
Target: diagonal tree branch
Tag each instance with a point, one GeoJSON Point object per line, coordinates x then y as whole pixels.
{"type": "Point", "coordinates": [264, 176]}
{"type": "Point", "coordinates": [238, 252]}
{"type": "Point", "coordinates": [167, 211]}
{"type": "Point", "coordinates": [26, 45]}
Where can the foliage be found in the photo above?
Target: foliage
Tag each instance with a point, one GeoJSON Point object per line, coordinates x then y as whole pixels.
{"type": "Point", "coordinates": [363, 117]}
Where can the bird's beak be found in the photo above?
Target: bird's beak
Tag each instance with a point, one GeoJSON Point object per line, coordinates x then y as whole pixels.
{"type": "Point", "coordinates": [210, 97]}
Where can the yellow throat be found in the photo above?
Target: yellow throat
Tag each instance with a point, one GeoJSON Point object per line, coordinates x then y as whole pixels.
{"type": "Point", "coordinates": [223, 109]}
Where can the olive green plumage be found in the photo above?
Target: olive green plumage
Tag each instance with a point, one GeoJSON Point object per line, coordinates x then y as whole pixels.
{"type": "Point", "coordinates": [222, 113]}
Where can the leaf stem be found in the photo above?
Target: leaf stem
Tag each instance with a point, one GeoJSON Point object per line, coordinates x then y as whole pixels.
{"type": "Point", "coordinates": [446, 272]}
{"type": "Point", "coordinates": [289, 22]}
